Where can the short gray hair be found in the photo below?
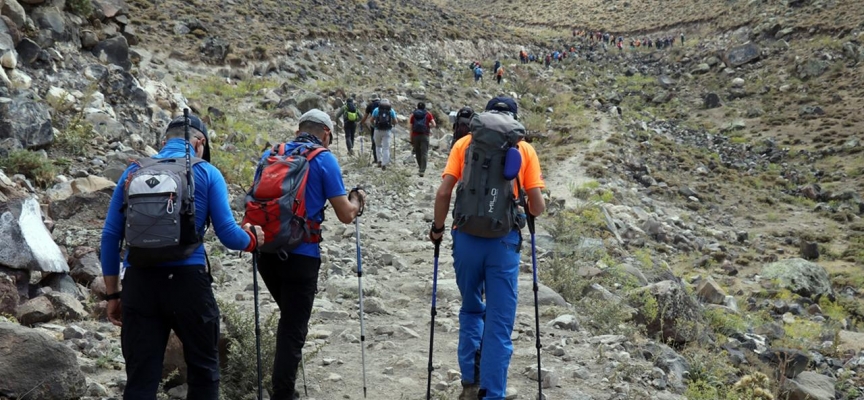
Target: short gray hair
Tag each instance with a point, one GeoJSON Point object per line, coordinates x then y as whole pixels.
{"type": "Point", "coordinates": [180, 132]}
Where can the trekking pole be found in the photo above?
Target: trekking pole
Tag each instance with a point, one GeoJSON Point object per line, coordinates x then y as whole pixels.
{"type": "Point", "coordinates": [360, 289]}
{"type": "Point", "coordinates": [257, 324]}
{"type": "Point", "coordinates": [432, 327]}
{"type": "Point", "coordinates": [536, 307]}
{"type": "Point", "coordinates": [303, 365]}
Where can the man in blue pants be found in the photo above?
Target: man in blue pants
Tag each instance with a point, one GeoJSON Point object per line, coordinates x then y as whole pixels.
{"type": "Point", "coordinates": [486, 264]}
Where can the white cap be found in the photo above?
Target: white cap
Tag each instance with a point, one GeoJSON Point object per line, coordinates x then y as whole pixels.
{"type": "Point", "coordinates": [317, 116]}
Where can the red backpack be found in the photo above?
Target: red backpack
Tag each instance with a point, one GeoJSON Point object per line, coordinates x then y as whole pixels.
{"type": "Point", "coordinates": [277, 200]}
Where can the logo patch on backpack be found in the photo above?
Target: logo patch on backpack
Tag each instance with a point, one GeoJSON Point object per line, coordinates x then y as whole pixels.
{"type": "Point", "coordinates": [277, 200]}
{"type": "Point", "coordinates": [152, 182]}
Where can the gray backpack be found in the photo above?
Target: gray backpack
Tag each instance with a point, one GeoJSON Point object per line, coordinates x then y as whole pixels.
{"type": "Point", "coordinates": [485, 205]}
{"type": "Point", "coordinates": [160, 212]}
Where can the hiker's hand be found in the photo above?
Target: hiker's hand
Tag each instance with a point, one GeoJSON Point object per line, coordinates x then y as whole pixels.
{"type": "Point", "coordinates": [115, 312]}
{"type": "Point", "coordinates": [255, 230]}
{"type": "Point", "coordinates": [435, 235]}
{"type": "Point", "coordinates": [359, 195]}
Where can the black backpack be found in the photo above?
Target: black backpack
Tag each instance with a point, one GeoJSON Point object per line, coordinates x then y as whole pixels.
{"type": "Point", "coordinates": [462, 127]}
{"type": "Point", "coordinates": [419, 125]}
{"type": "Point", "coordinates": [384, 120]}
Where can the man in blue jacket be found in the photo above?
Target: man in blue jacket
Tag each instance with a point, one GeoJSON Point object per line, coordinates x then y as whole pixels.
{"type": "Point", "coordinates": [172, 295]}
{"type": "Point", "coordinates": [293, 282]}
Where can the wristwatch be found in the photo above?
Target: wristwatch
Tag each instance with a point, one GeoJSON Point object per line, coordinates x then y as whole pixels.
{"type": "Point", "coordinates": [437, 230]}
{"type": "Point", "coordinates": [112, 296]}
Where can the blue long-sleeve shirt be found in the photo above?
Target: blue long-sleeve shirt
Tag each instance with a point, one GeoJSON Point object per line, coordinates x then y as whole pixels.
{"type": "Point", "coordinates": [211, 199]}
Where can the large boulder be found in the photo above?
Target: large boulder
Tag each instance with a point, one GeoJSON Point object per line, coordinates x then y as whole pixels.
{"type": "Point", "coordinates": [214, 50]}
{"type": "Point", "coordinates": [86, 269]}
{"type": "Point", "coordinates": [809, 385]}
{"type": "Point", "coordinates": [26, 120]}
{"type": "Point", "coordinates": [103, 9]}
{"type": "Point", "coordinates": [308, 101]}
{"type": "Point", "coordinates": [799, 276]}
{"type": "Point", "coordinates": [9, 296]}
{"type": "Point", "coordinates": [66, 306]}
{"type": "Point", "coordinates": [115, 51]}
{"type": "Point", "coordinates": [35, 311]}
{"type": "Point", "coordinates": [35, 366]}
{"type": "Point", "coordinates": [743, 54]}
{"type": "Point", "coordinates": [62, 283]}
{"type": "Point", "coordinates": [667, 309]}
{"type": "Point", "coordinates": [52, 21]}
{"type": "Point", "coordinates": [9, 35]}
{"type": "Point", "coordinates": [27, 244]}
{"type": "Point", "coordinates": [15, 12]}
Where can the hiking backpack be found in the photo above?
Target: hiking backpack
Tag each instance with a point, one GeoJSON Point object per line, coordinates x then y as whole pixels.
{"type": "Point", "coordinates": [462, 126]}
{"type": "Point", "coordinates": [159, 206]}
{"type": "Point", "coordinates": [351, 114]}
{"type": "Point", "coordinates": [485, 205]}
{"type": "Point", "coordinates": [419, 125]}
{"type": "Point", "coordinates": [277, 200]}
{"type": "Point", "coordinates": [384, 120]}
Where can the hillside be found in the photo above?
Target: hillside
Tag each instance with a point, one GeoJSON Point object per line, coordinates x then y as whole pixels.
{"type": "Point", "coordinates": [703, 240]}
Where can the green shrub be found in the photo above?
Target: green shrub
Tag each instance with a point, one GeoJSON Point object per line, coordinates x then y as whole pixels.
{"type": "Point", "coordinates": [32, 165]}
{"type": "Point", "coordinates": [80, 7]}
{"type": "Point", "coordinates": [76, 138]}
{"type": "Point", "coordinates": [238, 376]}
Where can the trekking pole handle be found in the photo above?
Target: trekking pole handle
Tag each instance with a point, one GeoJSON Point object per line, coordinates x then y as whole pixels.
{"type": "Point", "coordinates": [357, 189]}
{"type": "Point", "coordinates": [530, 223]}
{"type": "Point", "coordinates": [437, 247]}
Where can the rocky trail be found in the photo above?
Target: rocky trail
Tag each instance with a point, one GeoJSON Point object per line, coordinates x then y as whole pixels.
{"type": "Point", "coordinates": [703, 238]}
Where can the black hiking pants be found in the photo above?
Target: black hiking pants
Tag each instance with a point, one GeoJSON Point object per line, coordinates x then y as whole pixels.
{"type": "Point", "coordinates": [156, 300]}
{"type": "Point", "coordinates": [420, 143]}
{"type": "Point", "coordinates": [293, 284]}
{"type": "Point", "coordinates": [372, 136]}
{"type": "Point", "coordinates": [350, 129]}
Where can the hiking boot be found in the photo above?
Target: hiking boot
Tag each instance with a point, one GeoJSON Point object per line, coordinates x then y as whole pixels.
{"type": "Point", "coordinates": [421, 174]}
{"type": "Point", "coordinates": [383, 167]}
{"type": "Point", "coordinates": [469, 391]}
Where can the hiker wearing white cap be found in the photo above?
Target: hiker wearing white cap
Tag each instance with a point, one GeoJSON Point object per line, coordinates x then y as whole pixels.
{"type": "Point", "coordinates": [291, 275]}
{"type": "Point", "coordinates": [383, 119]}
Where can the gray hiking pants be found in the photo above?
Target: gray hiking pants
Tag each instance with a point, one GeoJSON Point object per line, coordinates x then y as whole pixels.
{"type": "Point", "coordinates": [382, 145]}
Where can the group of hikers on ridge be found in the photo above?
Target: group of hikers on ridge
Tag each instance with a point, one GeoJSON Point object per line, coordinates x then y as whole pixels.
{"type": "Point", "coordinates": [153, 235]}
{"type": "Point", "coordinates": [477, 69]}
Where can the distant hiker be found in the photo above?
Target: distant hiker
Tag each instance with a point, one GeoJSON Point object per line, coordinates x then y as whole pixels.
{"type": "Point", "coordinates": [350, 116]}
{"type": "Point", "coordinates": [373, 104]}
{"type": "Point", "coordinates": [421, 122]}
{"type": "Point", "coordinates": [461, 125]}
{"type": "Point", "coordinates": [682, 38]}
{"type": "Point", "coordinates": [487, 241]}
{"type": "Point", "coordinates": [548, 60]}
{"type": "Point", "coordinates": [384, 119]}
{"type": "Point", "coordinates": [166, 278]}
{"type": "Point", "coordinates": [556, 55]}
{"type": "Point", "coordinates": [291, 275]}
{"type": "Point", "coordinates": [499, 75]}
{"type": "Point", "coordinates": [478, 74]}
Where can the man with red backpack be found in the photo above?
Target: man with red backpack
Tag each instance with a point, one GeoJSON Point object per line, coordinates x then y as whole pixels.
{"type": "Point", "coordinates": [289, 262]}
{"type": "Point", "coordinates": [421, 122]}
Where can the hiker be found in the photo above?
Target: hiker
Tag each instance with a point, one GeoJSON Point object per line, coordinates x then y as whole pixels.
{"type": "Point", "coordinates": [548, 60]}
{"type": "Point", "coordinates": [166, 276]}
{"type": "Point", "coordinates": [383, 118]}
{"type": "Point", "coordinates": [461, 125]}
{"type": "Point", "coordinates": [373, 104]}
{"type": "Point", "coordinates": [292, 278]}
{"type": "Point", "coordinates": [350, 115]}
{"type": "Point", "coordinates": [478, 74]}
{"type": "Point", "coordinates": [497, 65]}
{"type": "Point", "coordinates": [485, 259]}
{"type": "Point", "coordinates": [499, 75]}
{"type": "Point", "coordinates": [682, 38]}
{"type": "Point", "coordinates": [421, 123]}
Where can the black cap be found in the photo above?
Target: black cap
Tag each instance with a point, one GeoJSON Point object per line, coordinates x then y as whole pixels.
{"type": "Point", "coordinates": [194, 122]}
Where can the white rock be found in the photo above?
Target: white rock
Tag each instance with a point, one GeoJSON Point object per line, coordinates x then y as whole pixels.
{"type": "Point", "coordinates": [19, 80]}
{"type": "Point", "coordinates": [9, 60]}
{"type": "Point", "coordinates": [738, 83]}
{"type": "Point", "coordinates": [59, 96]}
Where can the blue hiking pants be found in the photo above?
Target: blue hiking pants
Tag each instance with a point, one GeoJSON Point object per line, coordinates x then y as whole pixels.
{"type": "Point", "coordinates": [490, 266]}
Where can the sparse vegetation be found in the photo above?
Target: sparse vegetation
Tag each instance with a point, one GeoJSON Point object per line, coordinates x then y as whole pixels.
{"type": "Point", "coordinates": [32, 165]}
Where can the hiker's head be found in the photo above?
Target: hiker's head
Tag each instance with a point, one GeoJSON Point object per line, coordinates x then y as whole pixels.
{"type": "Point", "coordinates": [197, 135]}
{"type": "Point", "coordinates": [503, 104]}
{"type": "Point", "coordinates": [374, 97]}
{"type": "Point", "coordinates": [385, 103]}
{"type": "Point", "coordinates": [317, 123]}
{"type": "Point", "coordinates": [421, 106]}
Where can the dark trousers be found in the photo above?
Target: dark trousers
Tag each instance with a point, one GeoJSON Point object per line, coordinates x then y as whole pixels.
{"type": "Point", "coordinates": [372, 135]}
{"type": "Point", "coordinates": [350, 129]}
{"type": "Point", "coordinates": [155, 301]}
{"type": "Point", "coordinates": [420, 143]}
{"type": "Point", "coordinates": [293, 284]}
{"type": "Point", "coordinates": [498, 78]}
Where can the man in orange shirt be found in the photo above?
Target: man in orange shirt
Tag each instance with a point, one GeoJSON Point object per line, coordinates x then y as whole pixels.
{"type": "Point", "coordinates": [486, 263]}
